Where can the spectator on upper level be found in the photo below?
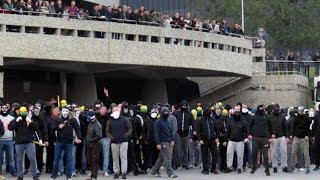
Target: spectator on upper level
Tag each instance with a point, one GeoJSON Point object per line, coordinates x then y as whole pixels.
{"type": "Point", "coordinates": [59, 8]}
{"type": "Point", "coordinates": [29, 6]}
{"type": "Point", "coordinates": [51, 8]}
{"type": "Point", "coordinates": [109, 13]}
{"type": "Point", "coordinates": [206, 27]}
{"type": "Point", "coordinates": [141, 17]}
{"type": "Point", "coordinates": [114, 7]}
{"type": "Point", "coordinates": [142, 9]}
{"type": "Point", "coordinates": [175, 21]}
{"type": "Point", "coordinates": [119, 13]}
{"type": "Point", "coordinates": [298, 57]}
{"type": "Point", "coordinates": [95, 11]}
{"type": "Point", "coordinates": [102, 11]}
{"type": "Point", "coordinates": [82, 15]}
{"type": "Point", "coordinates": [290, 56]}
{"type": "Point", "coordinates": [187, 20]}
{"type": "Point", "coordinates": [135, 15]}
{"type": "Point", "coordinates": [23, 7]}
{"type": "Point", "coordinates": [269, 55]}
{"type": "Point", "coordinates": [316, 57]}
{"type": "Point", "coordinates": [194, 22]}
{"type": "Point", "coordinates": [158, 18]}
{"type": "Point", "coordinates": [73, 10]}
{"type": "Point", "coordinates": [181, 22]}
{"type": "Point", "coordinates": [281, 57]}
{"type": "Point", "coordinates": [307, 56]}
{"type": "Point", "coordinates": [237, 29]}
{"type": "Point", "coordinates": [65, 13]}
{"type": "Point", "coordinates": [16, 5]}
{"type": "Point", "coordinates": [44, 7]}
{"type": "Point", "coordinates": [167, 20]}
{"type": "Point", "coordinates": [149, 16]}
{"type": "Point", "coordinates": [8, 6]}
{"type": "Point", "coordinates": [36, 7]}
{"type": "Point", "coordinates": [125, 11]}
{"type": "Point", "coordinates": [260, 43]}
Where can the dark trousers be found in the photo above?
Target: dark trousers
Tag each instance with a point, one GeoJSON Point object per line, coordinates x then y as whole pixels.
{"type": "Point", "coordinates": [260, 143]}
{"type": "Point", "coordinates": [223, 155]}
{"type": "Point", "coordinates": [39, 157]}
{"type": "Point", "coordinates": [212, 146]}
{"type": "Point", "coordinates": [148, 155]}
{"type": "Point", "coordinates": [137, 153]}
{"type": "Point", "coordinates": [132, 163]}
{"type": "Point", "coordinates": [79, 156]}
{"type": "Point", "coordinates": [93, 155]}
{"type": "Point", "coordinates": [50, 156]}
{"type": "Point", "coordinates": [315, 152]}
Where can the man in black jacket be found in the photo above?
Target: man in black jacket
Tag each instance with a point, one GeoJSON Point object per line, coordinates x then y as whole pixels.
{"type": "Point", "coordinates": [94, 134]}
{"type": "Point", "coordinates": [24, 129]}
{"type": "Point", "coordinates": [42, 125]}
{"type": "Point", "coordinates": [300, 134]}
{"type": "Point", "coordinates": [237, 134]}
{"type": "Point", "coordinates": [279, 126]}
{"type": "Point", "coordinates": [208, 132]}
{"type": "Point", "coordinates": [222, 123]}
{"type": "Point", "coordinates": [64, 141]}
{"type": "Point", "coordinates": [261, 131]}
{"type": "Point", "coordinates": [149, 150]}
{"type": "Point", "coordinates": [185, 120]}
{"type": "Point", "coordinates": [119, 130]}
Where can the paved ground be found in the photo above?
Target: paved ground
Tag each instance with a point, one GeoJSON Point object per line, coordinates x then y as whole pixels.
{"type": "Point", "coordinates": [195, 174]}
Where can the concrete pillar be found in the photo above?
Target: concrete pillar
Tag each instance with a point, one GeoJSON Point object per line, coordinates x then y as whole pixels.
{"type": "Point", "coordinates": [63, 85]}
{"type": "Point", "coordinates": [154, 91]}
{"type": "Point", "coordinates": [82, 89]}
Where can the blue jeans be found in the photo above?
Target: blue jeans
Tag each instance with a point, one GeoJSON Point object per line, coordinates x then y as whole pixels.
{"type": "Point", "coordinates": [61, 163]}
{"type": "Point", "coordinates": [31, 153]}
{"type": "Point", "coordinates": [73, 169]}
{"type": "Point", "coordinates": [84, 156]}
{"type": "Point", "coordinates": [7, 146]}
{"type": "Point", "coordinates": [58, 149]}
{"type": "Point", "coordinates": [105, 143]}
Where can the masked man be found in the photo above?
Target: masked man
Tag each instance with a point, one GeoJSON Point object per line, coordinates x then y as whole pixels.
{"type": "Point", "coordinates": [6, 141]}
{"type": "Point", "coordinates": [24, 129]}
{"type": "Point", "coordinates": [94, 134]}
{"type": "Point", "coordinates": [64, 142]}
{"type": "Point", "coordinates": [118, 130]}
{"type": "Point", "coordinates": [279, 126]}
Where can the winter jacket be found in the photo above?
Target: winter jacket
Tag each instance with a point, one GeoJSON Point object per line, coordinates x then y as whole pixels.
{"type": "Point", "coordinates": [237, 130]}
{"type": "Point", "coordinates": [207, 128]}
{"type": "Point", "coordinates": [119, 130]}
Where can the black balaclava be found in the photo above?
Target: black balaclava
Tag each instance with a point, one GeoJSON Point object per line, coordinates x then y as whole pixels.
{"type": "Point", "coordinates": [165, 112]}
{"type": "Point", "coordinates": [125, 110]}
{"type": "Point", "coordinates": [260, 110]}
{"type": "Point", "coordinates": [276, 110]}
{"type": "Point", "coordinates": [237, 115]}
{"type": "Point", "coordinates": [134, 110]}
{"type": "Point", "coordinates": [47, 108]}
{"type": "Point", "coordinates": [206, 111]}
{"type": "Point", "coordinates": [4, 110]}
{"type": "Point", "coordinates": [184, 105]}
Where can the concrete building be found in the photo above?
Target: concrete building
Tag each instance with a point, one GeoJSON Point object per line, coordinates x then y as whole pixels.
{"type": "Point", "coordinates": [136, 62]}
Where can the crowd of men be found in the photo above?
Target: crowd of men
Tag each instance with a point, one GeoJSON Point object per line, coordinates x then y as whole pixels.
{"type": "Point", "coordinates": [124, 138]}
{"type": "Point", "coordinates": [115, 13]}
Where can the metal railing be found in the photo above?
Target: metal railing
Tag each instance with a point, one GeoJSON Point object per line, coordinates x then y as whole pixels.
{"type": "Point", "coordinates": [285, 67]}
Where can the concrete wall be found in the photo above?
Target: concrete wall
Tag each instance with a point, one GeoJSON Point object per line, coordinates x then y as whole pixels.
{"type": "Point", "coordinates": [288, 90]}
{"type": "Point", "coordinates": [155, 91]}
{"type": "Point", "coordinates": [108, 50]}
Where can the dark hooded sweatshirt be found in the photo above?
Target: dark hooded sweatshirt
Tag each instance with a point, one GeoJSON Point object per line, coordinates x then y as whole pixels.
{"type": "Point", "coordinates": [184, 120]}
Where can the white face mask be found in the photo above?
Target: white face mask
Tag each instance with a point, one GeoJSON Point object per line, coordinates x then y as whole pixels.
{"type": "Point", "coordinates": [65, 113]}
{"type": "Point", "coordinates": [245, 110]}
{"type": "Point", "coordinates": [154, 115]}
{"type": "Point", "coordinates": [131, 113]}
{"type": "Point", "coordinates": [311, 113]}
{"type": "Point", "coordinates": [125, 110]}
{"type": "Point", "coordinates": [115, 114]}
{"type": "Point", "coordinates": [77, 114]}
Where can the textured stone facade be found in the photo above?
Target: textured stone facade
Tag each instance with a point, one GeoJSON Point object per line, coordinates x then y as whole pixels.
{"type": "Point", "coordinates": [111, 51]}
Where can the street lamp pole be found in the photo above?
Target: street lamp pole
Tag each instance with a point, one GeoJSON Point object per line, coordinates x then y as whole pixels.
{"type": "Point", "coordinates": [242, 15]}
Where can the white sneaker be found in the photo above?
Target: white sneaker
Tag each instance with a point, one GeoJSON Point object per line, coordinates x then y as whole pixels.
{"type": "Point", "coordinates": [106, 174]}
{"type": "Point", "coordinates": [89, 174]}
{"type": "Point", "coordinates": [301, 169]}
